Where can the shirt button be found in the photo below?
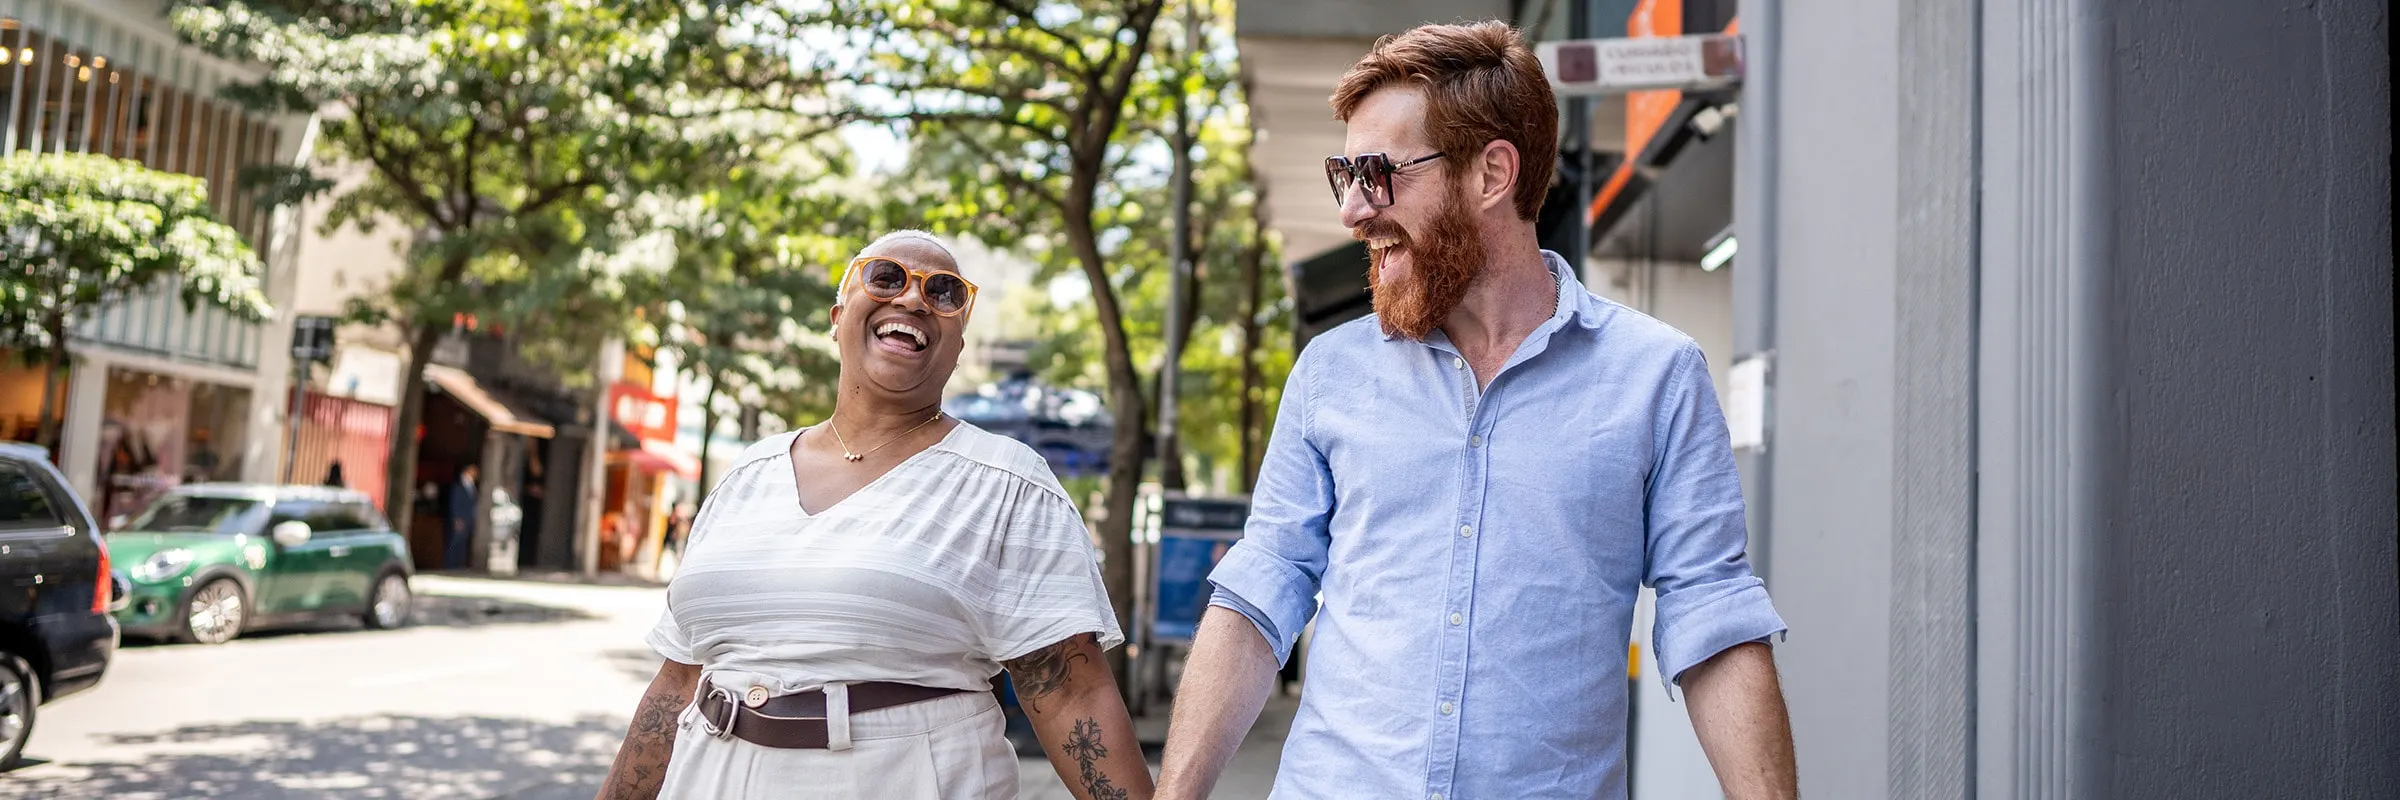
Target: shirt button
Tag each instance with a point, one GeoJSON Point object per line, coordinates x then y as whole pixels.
{"type": "Point", "coordinates": [1476, 441]}
{"type": "Point", "coordinates": [1447, 709]}
{"type": "Point", "coordinates": [1466, 531]}
{"type": "Point", "coordinates": [1456, 363]}
{"type": "Point", "coordinates": [1457, 618]}
{"type": "Point", "coordinates": [1437, 796]}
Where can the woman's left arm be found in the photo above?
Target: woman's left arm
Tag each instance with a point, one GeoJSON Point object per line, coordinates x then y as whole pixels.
{"type": "Point", "coordinates": [1067, 691]}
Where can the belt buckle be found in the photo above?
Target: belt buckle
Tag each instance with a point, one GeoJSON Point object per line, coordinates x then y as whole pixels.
{"type": "Point", "coordinates": [733, 711]}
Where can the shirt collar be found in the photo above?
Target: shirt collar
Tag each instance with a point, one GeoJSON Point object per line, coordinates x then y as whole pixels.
{"type": "Point", "coordinates": [1574, 304]}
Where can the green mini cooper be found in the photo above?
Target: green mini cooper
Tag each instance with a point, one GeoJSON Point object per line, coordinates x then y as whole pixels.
{"type": "Point", "coordinates": [208, 561]}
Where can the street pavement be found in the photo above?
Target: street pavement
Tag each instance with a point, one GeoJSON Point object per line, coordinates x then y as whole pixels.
{"type": "Point", "coordinates": [502, 689]}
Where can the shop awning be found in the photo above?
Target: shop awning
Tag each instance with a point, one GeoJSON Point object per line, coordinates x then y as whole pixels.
{"type": "Point", "coordinates": [656, 456]}
{"type": "Point", "coordinates": [462, 387]}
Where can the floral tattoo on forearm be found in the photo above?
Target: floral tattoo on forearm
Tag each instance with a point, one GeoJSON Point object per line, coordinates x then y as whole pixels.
{"type": "Point", "coordinates": [1083, 745]}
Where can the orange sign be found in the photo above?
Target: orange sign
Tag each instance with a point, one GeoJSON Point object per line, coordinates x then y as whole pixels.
{"type": "Point", "coordinates": [1646, 111]}
{"type": "Point", "coordinates": [648, 416]}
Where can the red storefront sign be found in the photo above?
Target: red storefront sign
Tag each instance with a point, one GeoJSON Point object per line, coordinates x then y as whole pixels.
{"type": "Point", "coordinates": [648, 416]}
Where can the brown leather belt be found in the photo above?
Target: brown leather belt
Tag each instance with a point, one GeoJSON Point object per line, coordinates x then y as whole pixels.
{"type": "Point", "coordinates": [797, 721]}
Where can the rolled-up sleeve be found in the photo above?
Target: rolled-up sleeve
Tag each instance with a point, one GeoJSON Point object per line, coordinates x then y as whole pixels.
{"type": "Point", "coordinates": [1272, 575]}
{"type": "Point", "coordinates": [1708, 598]}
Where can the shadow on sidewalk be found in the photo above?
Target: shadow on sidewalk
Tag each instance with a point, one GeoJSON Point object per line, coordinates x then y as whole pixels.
{"type": "Point", "coordinates": [462, 611]}
{"type": "Point", "coordinates": [366, 757]}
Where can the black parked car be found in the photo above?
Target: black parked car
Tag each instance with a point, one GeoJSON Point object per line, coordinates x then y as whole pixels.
{"type": "Point", "coordinates": [56, 594]}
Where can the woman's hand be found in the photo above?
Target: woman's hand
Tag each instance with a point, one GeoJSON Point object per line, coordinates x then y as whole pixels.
{"type": "Point", "coordinates": [1067, 691]}
{"type": "Point", "coordinates": [641, 765]}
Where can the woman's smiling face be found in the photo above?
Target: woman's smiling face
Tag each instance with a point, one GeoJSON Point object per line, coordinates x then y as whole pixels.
{"type": "Point", "coordinates": [900, 345]}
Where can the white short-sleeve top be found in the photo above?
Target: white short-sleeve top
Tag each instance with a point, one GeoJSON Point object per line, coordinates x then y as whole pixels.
{"type": "Point", "coordinates": [965, 555]}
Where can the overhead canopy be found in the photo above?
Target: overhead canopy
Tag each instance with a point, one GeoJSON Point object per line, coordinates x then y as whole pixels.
{"type": "Point", "coordinates": [657, 456]}
{"type": "Point", "coordinates": [462, 387]}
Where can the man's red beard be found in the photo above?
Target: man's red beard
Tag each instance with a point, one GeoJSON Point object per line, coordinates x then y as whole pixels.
{"type": "Point", "coordinates": [1443, 264]}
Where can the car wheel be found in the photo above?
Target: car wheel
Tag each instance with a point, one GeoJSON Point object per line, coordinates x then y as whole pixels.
{"type": "Point", "coordinates": [20, 694]}
{"type": "Point", "coordinates": [215, 612]}
{"type": "Point", "coordinates": [389, 603]}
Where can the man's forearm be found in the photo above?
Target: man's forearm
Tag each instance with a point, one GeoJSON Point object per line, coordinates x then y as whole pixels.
{"type": "Point", "coordinates": [1225, 683]}
{"type": "Point", "coordinates": [1737, 709]}
{"type": "Point", "coordinates": [640, 769]}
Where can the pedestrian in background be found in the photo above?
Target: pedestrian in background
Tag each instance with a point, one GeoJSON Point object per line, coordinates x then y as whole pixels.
{"type": "Point", "coordinates": [1479, 478]}
{"type": "Point", "coordinates": [458, 518]}
{"type": "Point", "coordinates": [850, 589]}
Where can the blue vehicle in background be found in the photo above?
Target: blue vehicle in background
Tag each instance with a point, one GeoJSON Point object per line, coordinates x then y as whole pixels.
{"type": "Point", "coordinates": [1071, 428]}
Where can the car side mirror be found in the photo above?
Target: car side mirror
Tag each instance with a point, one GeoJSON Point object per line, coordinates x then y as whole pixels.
{"type": "Point", "coordinates": [292, 533]}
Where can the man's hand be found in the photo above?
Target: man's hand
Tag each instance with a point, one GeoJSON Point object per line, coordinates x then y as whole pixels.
{"type": "Point", "coordinates": [1225, 683]}
{"type": "Point", "coordinates": [1736, 704]}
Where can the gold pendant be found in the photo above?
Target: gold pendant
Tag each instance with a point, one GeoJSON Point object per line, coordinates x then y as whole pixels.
{"type": "Point", "coordinates": [852, 456]}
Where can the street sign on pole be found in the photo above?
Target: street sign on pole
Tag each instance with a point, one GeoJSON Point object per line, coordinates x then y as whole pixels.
{"type": "Point", "coordinates": [312, 338]}
{"type": "Point", "coordinates": [1580, 67]}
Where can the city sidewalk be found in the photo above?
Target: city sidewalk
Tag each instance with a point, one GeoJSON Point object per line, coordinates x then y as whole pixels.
{"type": "Point", "coordinates": [1248, 777]}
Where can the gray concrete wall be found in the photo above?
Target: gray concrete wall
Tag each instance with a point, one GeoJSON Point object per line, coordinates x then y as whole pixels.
{"type": "Point", "coordinates": [1933, 512]}
{"type": "Point", "coordinates": [1832, 445]}
{"type": "Point", "coordinates": [2253, 582]}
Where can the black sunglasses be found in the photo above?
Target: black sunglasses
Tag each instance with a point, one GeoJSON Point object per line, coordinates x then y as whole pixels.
{"type": "Point", "coordinates": [1371, 172]}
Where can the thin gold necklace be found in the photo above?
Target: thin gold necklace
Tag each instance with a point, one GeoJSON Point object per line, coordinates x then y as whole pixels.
{"type": "Point", "coordinates": [847, 455]}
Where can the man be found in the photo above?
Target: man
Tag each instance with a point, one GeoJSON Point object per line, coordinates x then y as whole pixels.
{"type": "Point", "coordinates": [1477, 480]}
{"type": "Point", "coordinates": [458, 521]}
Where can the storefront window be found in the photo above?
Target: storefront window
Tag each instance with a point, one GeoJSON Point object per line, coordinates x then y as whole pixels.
{"type": "Point", "coordinates": [158, 432]}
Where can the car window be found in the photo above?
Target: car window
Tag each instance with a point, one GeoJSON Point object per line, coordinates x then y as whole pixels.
{"type": "Point", "coordinates": [327, 517]}
{"type": "Point", "coordinates": [195, 514]}
{"type": "Point", "coordinates": [366, 517]}
{"type": "Point", "coordinates": [23, 504]}
{"type": "Point", "coordinates": [293, 510]}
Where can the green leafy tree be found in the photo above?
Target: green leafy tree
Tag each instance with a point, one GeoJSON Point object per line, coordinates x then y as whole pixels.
{"type": "Point", "coordinates": [748, 293]}
{"type": "Point", "coordinates": [78, 232]}
{"type": "Point", "coordinates": [518, 139]}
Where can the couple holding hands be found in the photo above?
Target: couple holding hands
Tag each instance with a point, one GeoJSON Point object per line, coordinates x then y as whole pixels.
{"type": "Point", "coordinates": [1475, 481]}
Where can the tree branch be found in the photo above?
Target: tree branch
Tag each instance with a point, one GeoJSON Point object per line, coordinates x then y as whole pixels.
{"type": "Point", "coordinates": [1025, 13]}
{"type": "Point", "coordinates": [1141, 17]}
{"type": "Point", "coordinates": [400, 171]}
{"type": "Point", "coordinates": [967, 37]}
{"type": "Point", "coordinates": [948, 118]}
{"type": "Point", "coordinates": [1011, 176]}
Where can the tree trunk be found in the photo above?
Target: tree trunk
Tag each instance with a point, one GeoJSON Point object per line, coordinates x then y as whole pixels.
{"type": "Point", "coordinates": [708, 428]}
{"type": "Point", "coordinates": [1130, 440]}
{"type": "Point", "coordinates": [400, 467]}
{"type": "Point", "coordinates": [54, 366]}
{"type": "Point", "coordinates": [1252, 269]}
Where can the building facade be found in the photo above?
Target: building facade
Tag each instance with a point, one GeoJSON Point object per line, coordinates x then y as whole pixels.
{"type": "Point", "coordinates": [158, 395]}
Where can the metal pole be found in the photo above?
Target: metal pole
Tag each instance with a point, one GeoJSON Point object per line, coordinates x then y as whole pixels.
{"type": "Point", "coordinates": [291, 423]}
{"type": "Point", "coordinates": [1576, 155]}
{"type": "Point", "coordinates": [1182, 250]}
{"type": "Point", "coordinates": [1754, 269]}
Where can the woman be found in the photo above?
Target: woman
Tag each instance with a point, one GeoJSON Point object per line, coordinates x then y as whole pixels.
{"type": "Point", "coordinates": [850, 589]}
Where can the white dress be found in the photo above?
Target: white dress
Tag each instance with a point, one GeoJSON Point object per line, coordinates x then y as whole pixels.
{"type": "Point", "coordinates": [966, 555]}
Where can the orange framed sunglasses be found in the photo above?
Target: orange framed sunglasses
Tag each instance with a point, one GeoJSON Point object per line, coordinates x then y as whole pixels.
{"type": "Point", "coordinates": [884, 279]}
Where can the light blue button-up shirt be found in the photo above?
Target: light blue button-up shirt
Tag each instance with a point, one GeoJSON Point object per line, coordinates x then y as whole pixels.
{"type": "Point", "coordinates": [1479, 552]}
